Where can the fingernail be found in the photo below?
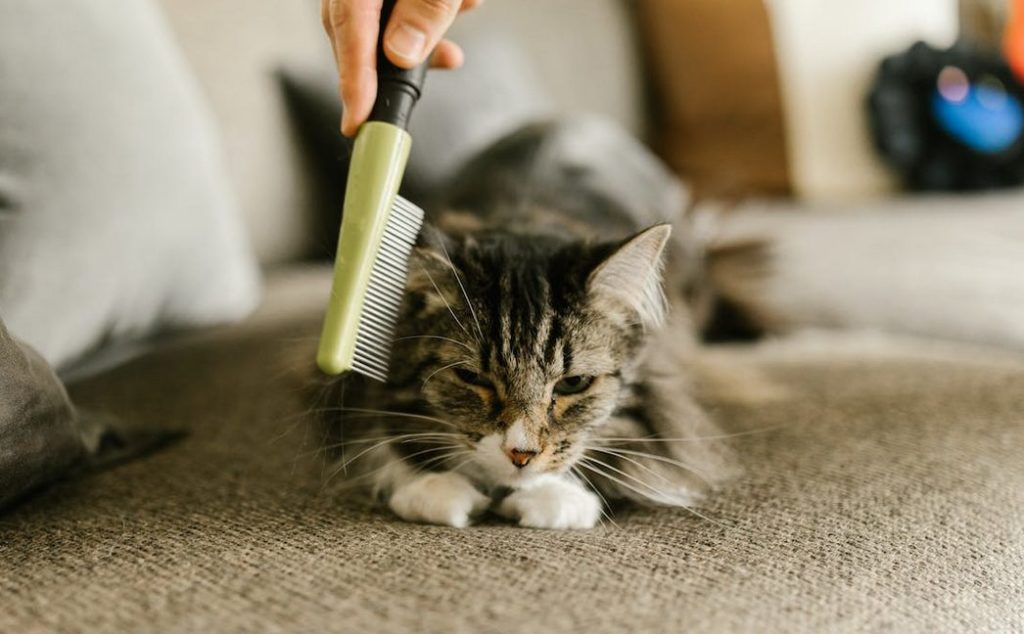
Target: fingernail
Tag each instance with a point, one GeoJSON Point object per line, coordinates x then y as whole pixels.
{"type": "Point", "coordinates": [407, 42]}
{"type": "Point", "coordinates": [347, 124]}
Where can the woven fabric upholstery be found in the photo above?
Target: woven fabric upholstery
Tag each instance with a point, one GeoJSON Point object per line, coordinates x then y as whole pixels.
{"type": "Point", "coordinates": [884, 489]}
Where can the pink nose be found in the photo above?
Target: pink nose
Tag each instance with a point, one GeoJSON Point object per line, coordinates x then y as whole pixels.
{"type": "Point", "coordinates": [519, 457]}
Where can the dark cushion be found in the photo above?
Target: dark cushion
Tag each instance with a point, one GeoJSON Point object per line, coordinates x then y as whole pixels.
{"type": "Point", "coordinates": [39, 436]}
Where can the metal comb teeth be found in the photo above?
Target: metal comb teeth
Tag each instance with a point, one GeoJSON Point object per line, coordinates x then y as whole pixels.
{"type": "Point", "coordinates": [384, 294]}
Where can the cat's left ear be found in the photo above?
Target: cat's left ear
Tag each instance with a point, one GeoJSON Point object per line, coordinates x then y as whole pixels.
{"type": "Point", "coordinates": [628, 281]}
{"type": "Point", "coordinates": [431, 272]}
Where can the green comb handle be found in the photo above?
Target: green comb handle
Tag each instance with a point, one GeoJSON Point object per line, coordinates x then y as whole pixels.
{"type": "Point", "coordinates": [378, 163]}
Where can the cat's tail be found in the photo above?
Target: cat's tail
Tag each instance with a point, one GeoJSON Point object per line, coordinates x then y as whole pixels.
{"type": "Point", "coordinates": [736, 275]}
{"type": "Point", "coordinates": [725, 280]}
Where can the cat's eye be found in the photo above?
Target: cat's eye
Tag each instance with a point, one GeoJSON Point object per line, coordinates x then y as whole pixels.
{"type": "Point", "coordinates": [473, 378]}
{"type": "Point", "coordinates": [573, 384]}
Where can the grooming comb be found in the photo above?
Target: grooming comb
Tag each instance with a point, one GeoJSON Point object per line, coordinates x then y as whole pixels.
{"type": "Point", "coordinates": [378, 229]}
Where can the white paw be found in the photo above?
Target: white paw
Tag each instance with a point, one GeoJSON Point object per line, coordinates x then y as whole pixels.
{"type": "Point", "coordinates": [438, 498]}
{"type": "Point", "coordinates": [553, 503]}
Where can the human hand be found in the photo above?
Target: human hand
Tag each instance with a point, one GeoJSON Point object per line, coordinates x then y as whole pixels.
{"type": "Point", "coordinates": [413, 32]}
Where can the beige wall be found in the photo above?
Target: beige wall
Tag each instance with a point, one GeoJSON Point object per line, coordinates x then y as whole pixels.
{"type": "Point", "coordinates": [235, 46]}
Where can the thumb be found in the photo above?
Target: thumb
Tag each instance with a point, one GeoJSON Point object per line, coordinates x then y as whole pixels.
{"type": "Point", "coordinates": [415, 28]}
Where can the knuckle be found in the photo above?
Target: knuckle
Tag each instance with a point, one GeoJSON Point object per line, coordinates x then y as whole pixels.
{"type": "Point", "coordinates": [435, 9]}
{"type": "Point", "coordinates": [338, 17]}
{"type": "Point", "coordinates": [343, 14]}
{"type": "Point", "coordinates": [334, 15]}
{"type": "Point", "coordinates": [325, 14]}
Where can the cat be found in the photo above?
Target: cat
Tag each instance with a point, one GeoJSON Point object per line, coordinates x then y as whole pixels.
{"type": "Point", "coordinates": [542, 366]}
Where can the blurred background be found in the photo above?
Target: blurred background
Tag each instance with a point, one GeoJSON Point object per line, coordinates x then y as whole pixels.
{"type": "Point", "coordinates": [749, 98]}
{"type": "Point", "coordinates": [747, 101]}
{"type": "Point", "coordinates": [173, 164]}
{"type": "Point", "coordinates": [877, 144]}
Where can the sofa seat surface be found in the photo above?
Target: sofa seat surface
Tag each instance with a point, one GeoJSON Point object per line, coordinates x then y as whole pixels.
{"type": "Point", "coordinates": [884, 489]}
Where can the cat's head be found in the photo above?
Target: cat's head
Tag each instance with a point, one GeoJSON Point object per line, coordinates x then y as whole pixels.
{"type": "Point", "coordinates": [526, 344]}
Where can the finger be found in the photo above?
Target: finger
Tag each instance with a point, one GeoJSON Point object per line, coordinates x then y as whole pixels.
{"type": "Point", "coordinates": [354, 26]}
{"type": "Point", "coordinates": [447, 55]}
{"type": "Point", "coordinates": [415, 28]}
{"type": "Point", "coordinates": [469, 4]}
{"type": "Point", "coordinates": [325, 19]}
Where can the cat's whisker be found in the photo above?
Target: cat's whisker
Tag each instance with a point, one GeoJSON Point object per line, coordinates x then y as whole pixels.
{"type": "Point", "coordinates": [408, 437]}
{"type": "Point", "coordinates": [362, 410]}
{"type": "Point", "coordinates": [445, 447]}
{"type": "Point", "coordinates": [300, 364]}
{"type": "Point", "coordinates": [458, 279]}
{"type": "Point", "coordinates": [442, 369]}
{"type": "Point", "coordinates": [681, 439]}
{"type": "Point", "coordinates": [445, 443]}
{"type": "Point", "coordinates": [600, 466]}
{"type": "Point", "coordinates": [386, 441]}
{"type": "Point", "coordinates": [293, 423]}
{"type": "Point", "coordinates": [452, 451]}
{"type": "Point", "coordinates": [419, 469]}
{"type": "Point", "coordinates": [623, 454]}
{"type": "Point", "coordinates": [349, 481]}
{"type": "Point", "coordinates": [589, 466]}
{"type": "Point", "coordinates": [448, 339]}
{"type": "Point", "coordinates": [605, 507]}
{"type": "Point", "coordinates": [402, 439]}
{"type": "Point", "coordinates": [427, 436]}
{"type": "Point", "coordinates": [659, 495]}
{"type": "Point", "coordinates": [436, 459]}
{"type": "Point", "coordinates": [319, 397]}
{"type": "Point", "coordinates": [427, 464]}
{"type": "Point", "coordinates": [641, 465]}
{"type": "Point", "coordinates": [396, 425]}
{"type": "Point", "coordinates": [293, 419]}
{"type": "Point", "coordinates": [462, 464]}
{"type": "Point", "coordinates": [445, 300]}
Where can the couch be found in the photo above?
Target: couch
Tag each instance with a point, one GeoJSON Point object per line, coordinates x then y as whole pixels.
{"type": "Point", "coordinates": [883, 487]}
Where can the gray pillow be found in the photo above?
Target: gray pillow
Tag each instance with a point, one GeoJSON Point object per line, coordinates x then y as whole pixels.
{"type": "Point", "coordinates": [39, 438]}
{"type": "Point", "coordinates": [115, 215]}
{"type": "Point", "coordinates": [43, 437]}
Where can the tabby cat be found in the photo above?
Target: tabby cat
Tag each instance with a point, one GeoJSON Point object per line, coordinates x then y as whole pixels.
{"type": "Point", "coordinates": [541, 367]}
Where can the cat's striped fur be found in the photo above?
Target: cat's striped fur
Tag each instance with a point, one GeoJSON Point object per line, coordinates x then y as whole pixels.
{"type": "Point", "coordinates": [540, 366]}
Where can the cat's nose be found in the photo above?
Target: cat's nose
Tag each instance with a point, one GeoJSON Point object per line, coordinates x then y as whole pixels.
{"type": "Point", "coordinates": [520, 457]}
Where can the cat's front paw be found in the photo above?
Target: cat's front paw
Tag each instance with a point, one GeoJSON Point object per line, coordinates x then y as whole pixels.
{"type": "Point", "coordinates": [553, 503]}
{"type": "Point", "coordinates": [438, 498]}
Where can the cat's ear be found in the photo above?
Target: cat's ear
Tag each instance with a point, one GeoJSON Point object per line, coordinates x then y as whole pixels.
{"type": "Point", "coordinates": [628, 281]}
{"type": "Point", "coordinates": [431, 272]}
{"type": "Point", "coordinates": [428, 268]}
{"type": "Point", "coordinates": [431, 251]}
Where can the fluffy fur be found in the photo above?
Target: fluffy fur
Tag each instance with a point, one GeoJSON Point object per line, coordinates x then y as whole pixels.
{"type": "Point", "coordinates": [541, 367]}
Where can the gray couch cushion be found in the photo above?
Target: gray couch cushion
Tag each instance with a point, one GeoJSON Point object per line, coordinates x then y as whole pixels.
{"type": "Point", "coordinates": [39, 437]}
{"type": "Point", "coordinates": [115, 215]}
{"type": "Point", "coordinates": [884, 490]}
{"type": "Point", "coordinates": [944, 266]}
{"type": "Point", "coordinates": [43, 437]}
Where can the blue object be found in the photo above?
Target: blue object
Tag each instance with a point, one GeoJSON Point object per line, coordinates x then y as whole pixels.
{"type": "Point", "coordinates": [987, 119]}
